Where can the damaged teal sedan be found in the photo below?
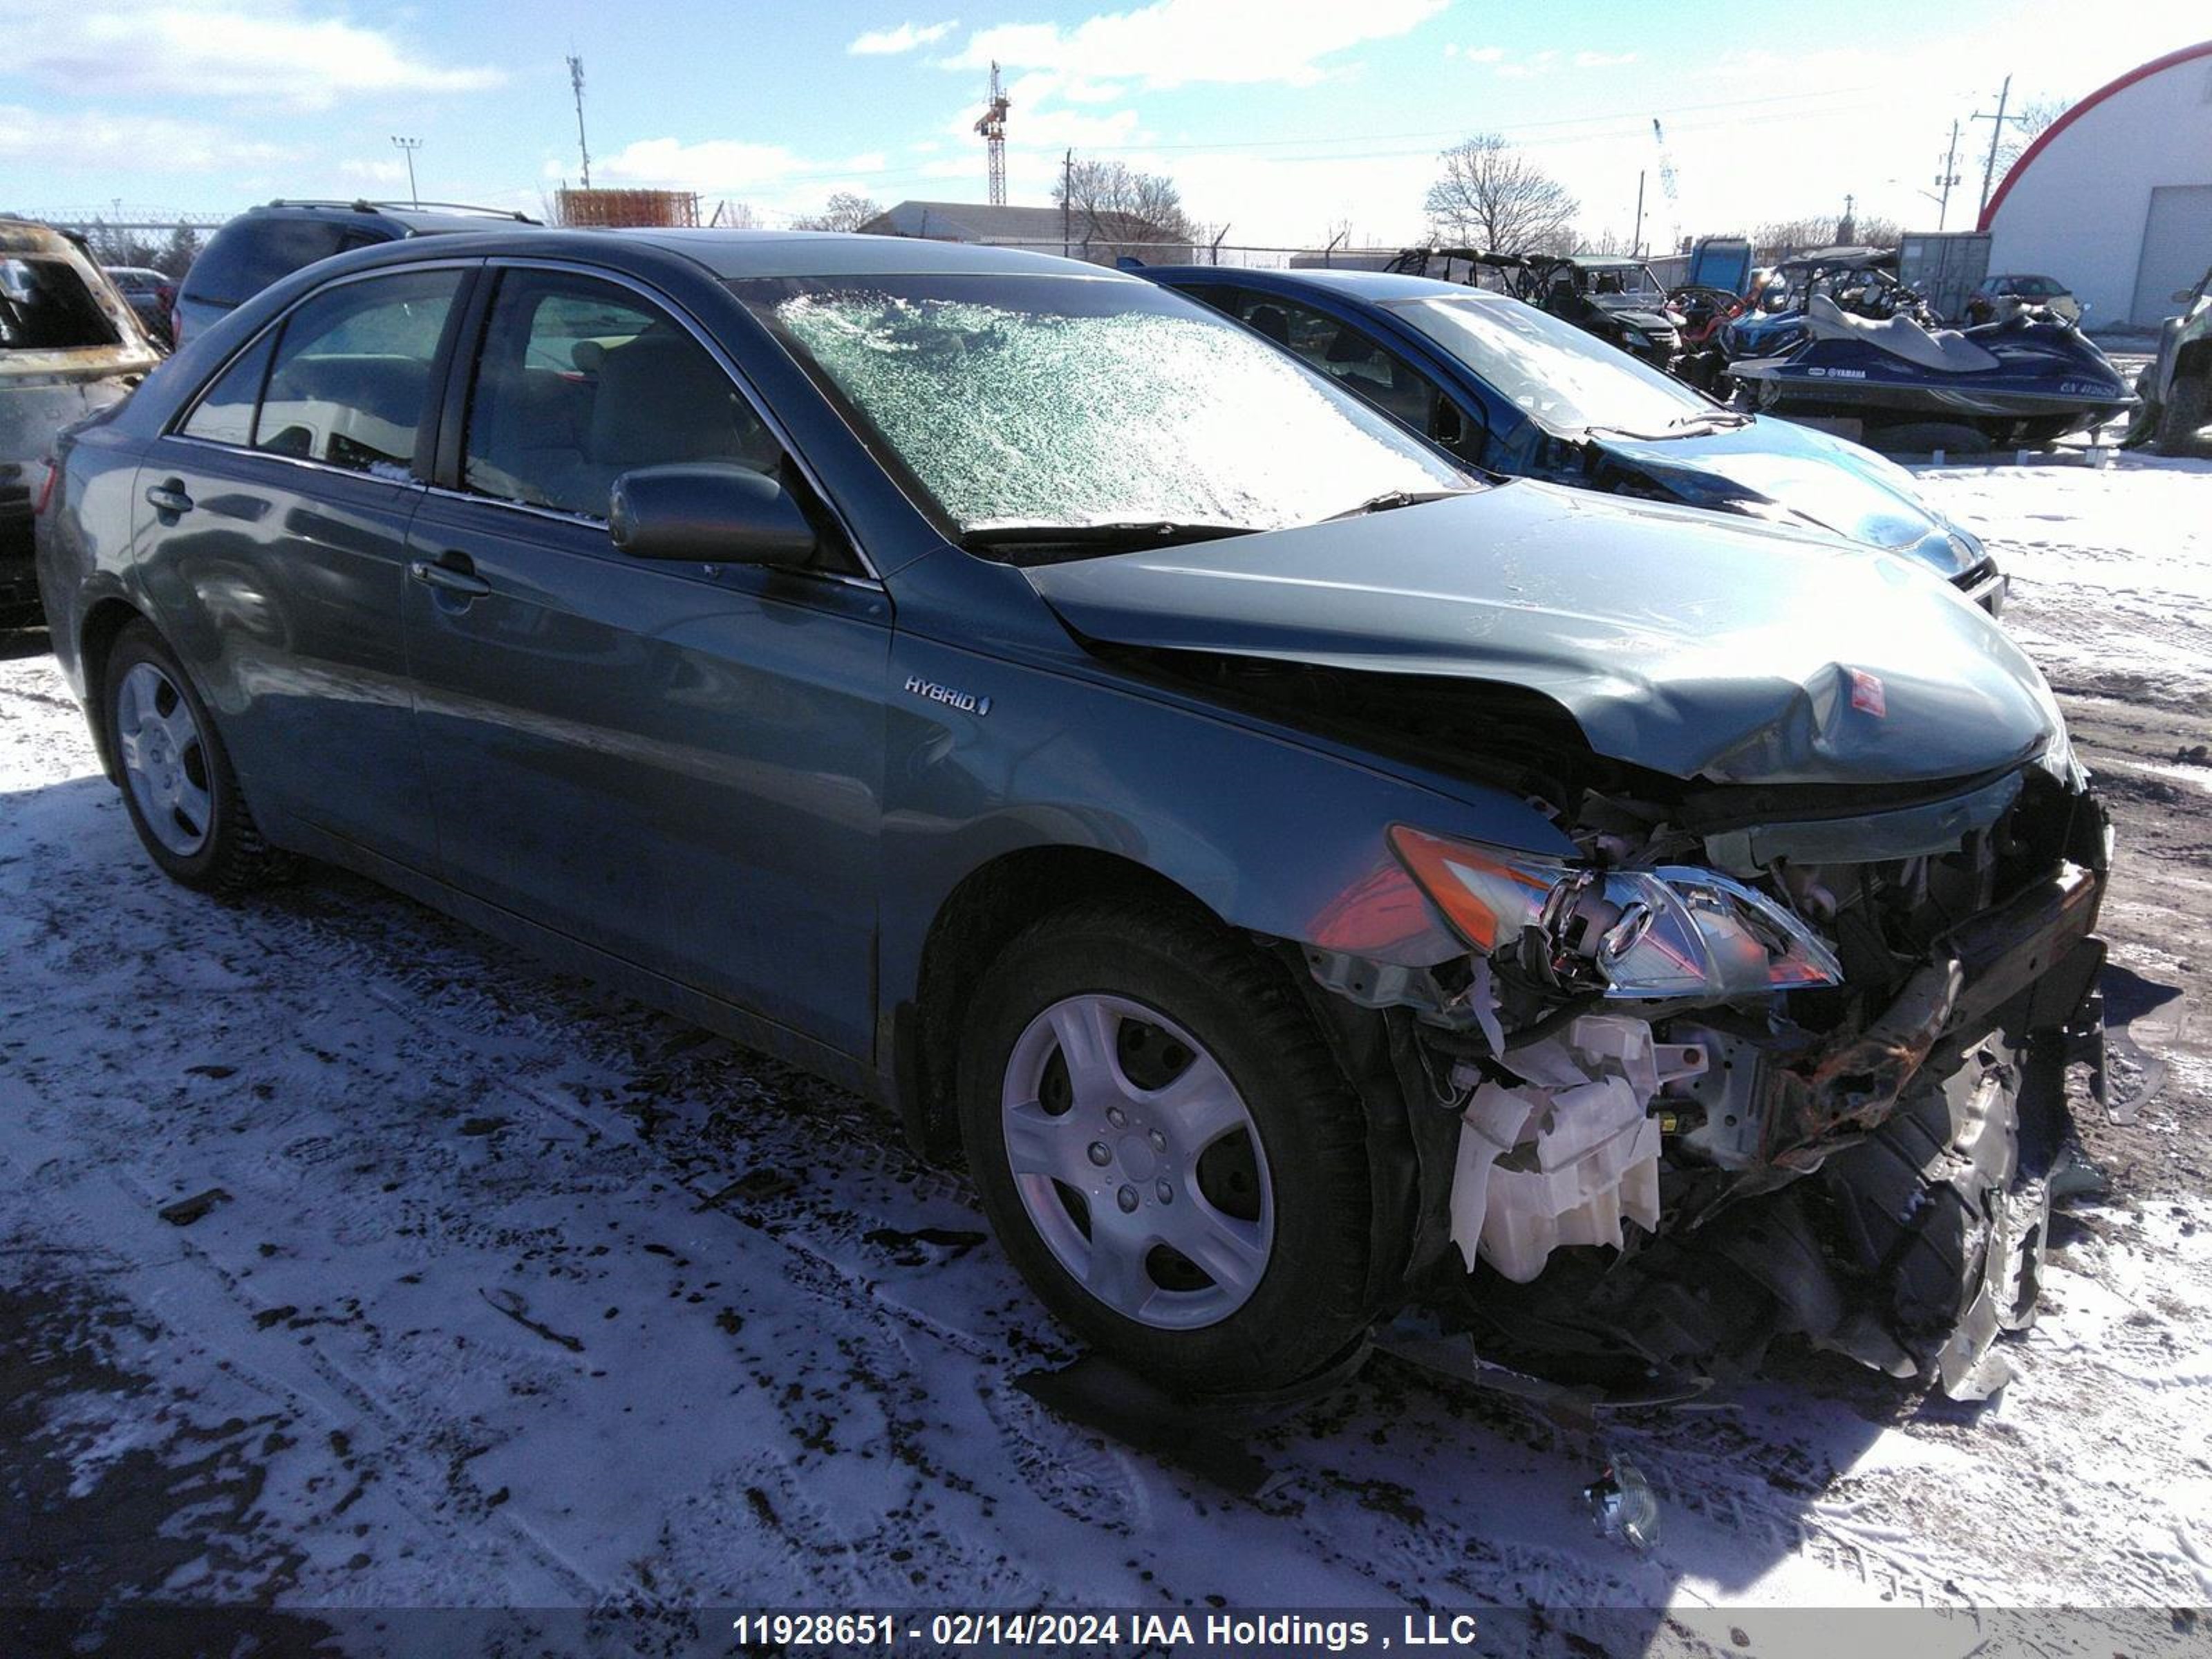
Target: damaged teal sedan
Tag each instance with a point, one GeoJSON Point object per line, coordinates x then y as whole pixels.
{"type": "Point", "coordinates": [1299, 879]}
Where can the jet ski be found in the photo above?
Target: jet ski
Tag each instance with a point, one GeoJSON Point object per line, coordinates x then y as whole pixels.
{"type": "Point", "coordinates": [2023, 380]}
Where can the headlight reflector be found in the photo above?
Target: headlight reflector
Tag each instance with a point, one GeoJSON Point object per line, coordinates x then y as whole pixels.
{"type": "Point", "coordinates": [1673, 932]}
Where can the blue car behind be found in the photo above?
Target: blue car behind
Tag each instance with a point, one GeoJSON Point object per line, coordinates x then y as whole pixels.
{"type": "Point", "coordinates": [1508, 387]}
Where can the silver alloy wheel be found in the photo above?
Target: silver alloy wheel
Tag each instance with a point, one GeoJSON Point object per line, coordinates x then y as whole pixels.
{"type": "Point", "coordinates": [1125, 1183]}
{"type": "Point", "coordinates": [164, 759]}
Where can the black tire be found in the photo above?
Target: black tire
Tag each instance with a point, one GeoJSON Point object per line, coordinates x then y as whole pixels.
{"type": "Point", "coordinates": [1941, 1221]}
{"type": "Point", "coordinates": [1239, 1005]}
{"type": "Point", "coordinates": [233, 857]}
{"type": "Point", "coordinates": [2188, 408]}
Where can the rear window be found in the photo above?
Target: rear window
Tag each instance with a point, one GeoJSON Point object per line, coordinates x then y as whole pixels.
{"type": "Point", "coordinates": [44, 305]}
{"type": "Point", "coordinates": [249, 254]}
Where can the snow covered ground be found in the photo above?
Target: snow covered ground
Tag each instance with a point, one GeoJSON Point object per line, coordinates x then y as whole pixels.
{"type": "Point", "coordinates": [517, 1294]}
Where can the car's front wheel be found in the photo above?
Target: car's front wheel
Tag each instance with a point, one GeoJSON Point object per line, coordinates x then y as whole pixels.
{"type": "Point", "coordinates": [1167, 1148]}
{"type": "Point", "coordinates": [183, 796]}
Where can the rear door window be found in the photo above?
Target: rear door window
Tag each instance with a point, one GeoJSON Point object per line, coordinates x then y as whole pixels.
{"type": "Point", "coordinates": [580, 381]}
{"type": "Point", "coordinates": [350, 382]}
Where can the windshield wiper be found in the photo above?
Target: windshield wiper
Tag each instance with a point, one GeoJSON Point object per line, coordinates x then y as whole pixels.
{"type": "Point", "coordinates": [1720, 417]}
{"type": "Point", "coordinates": [1138, 533]}
{"type": "Point", "coordinates": [1390, 498]}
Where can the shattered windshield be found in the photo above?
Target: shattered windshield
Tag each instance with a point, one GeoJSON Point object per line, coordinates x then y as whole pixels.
{"type": "Point", "coordinates": [1083, 401]}
{"type": "Point", "coordinates": [44, 305]}
{"type": "Point", "coordinates": [1563, 377]}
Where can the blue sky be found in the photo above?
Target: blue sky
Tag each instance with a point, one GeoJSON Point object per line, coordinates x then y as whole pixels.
{"type": "Point", "coordinates": [1285, 119]}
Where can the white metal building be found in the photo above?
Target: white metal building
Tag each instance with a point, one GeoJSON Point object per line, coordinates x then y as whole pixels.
{"type": "Point", "coordinates": [2114, 198]}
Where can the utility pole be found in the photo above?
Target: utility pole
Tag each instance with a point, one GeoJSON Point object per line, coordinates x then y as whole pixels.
{"type": "Point", "coordinates": [1997, 132]}
{"type": "Point", "coordinates": [1636, 245]}
{"type": "Point", "coordinates": [1217, 244]}
{"type": "Point", "coordinates": [1947, 180]}
{"type": "Point", "coordinates": [576, 80]}
{"type": "Point", "coordinates": [1067, 198]}
{"type": "Point", "coordinates": [407, 147]}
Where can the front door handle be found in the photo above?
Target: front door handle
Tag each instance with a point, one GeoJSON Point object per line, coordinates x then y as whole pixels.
{"type": "Point", "coordinates": [168, 496]}
{"type": "Point", "coordinates": [464, 582]}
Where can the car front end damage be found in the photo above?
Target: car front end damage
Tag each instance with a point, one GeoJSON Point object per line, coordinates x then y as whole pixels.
{"type": "Point", "coordinates": [1727, 988]}
{"type": "Point", "coordinates": [1749, 1067]}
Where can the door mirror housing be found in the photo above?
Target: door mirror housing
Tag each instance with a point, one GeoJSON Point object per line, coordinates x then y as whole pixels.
{"type": "Point", "coordinates": [708, 513]}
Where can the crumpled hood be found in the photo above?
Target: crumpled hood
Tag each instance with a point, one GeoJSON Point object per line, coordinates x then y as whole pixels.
{"type": "Point", "coordinates": [1689, 643]}
{"type": "Point", "coordinates": [1838, 485]}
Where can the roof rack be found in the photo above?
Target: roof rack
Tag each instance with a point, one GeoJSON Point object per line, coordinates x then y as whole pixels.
{"type": "Point", "coordinates": [361, 205]}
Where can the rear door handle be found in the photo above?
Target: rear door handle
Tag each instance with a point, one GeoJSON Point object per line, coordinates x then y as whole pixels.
{"type": "Point", "coordinates": [454, 581]}
{"type": "Point", "coordinates": [168, 496]}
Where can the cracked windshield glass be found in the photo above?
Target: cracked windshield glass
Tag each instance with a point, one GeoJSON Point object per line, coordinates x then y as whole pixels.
{"type": "Point", "coordinates": [1052, 401]}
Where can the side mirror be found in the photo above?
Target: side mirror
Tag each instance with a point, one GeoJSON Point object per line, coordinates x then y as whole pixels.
{"type": "Point", "coordinates": [708, 513]}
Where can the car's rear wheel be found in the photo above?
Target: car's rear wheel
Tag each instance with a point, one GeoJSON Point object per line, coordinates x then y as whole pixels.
{"type": "Point", "coordinates": [1166, 1148]}
{"type": "Point", "coordinates": [178, 783]}
{"type": "Point", "coordinates": [2188, 408]}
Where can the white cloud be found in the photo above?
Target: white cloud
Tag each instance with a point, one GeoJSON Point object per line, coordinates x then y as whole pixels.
{"type": "Point", "coordinates": [376, 172]}
{"type": "Point", "coordinates": [1040, 123]}
{"type": "Point", "coordinates": [883, 43]}
{"type": "Point", "coordinates": [93, 140]}
{"type": "Point", "coordinates": [272, 49]}
{"type": "Point", "coordinates": [1603, 59]}
{"type": "Point", "coordinates": [1173, 42]}
{"type": "Point", "coordinates": [1484, 54]}
{"type": "Point", "coordinates": [1527, 69]}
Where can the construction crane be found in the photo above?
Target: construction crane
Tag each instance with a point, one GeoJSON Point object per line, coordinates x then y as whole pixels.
{"type": "Point", "coordinates": [1666, 179]}
{"type": "Point", "coordinates": [993, 126]}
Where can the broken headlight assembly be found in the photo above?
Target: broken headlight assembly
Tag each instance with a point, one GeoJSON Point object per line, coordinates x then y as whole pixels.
{"type": "Point", "coordinates": [1674, 933]}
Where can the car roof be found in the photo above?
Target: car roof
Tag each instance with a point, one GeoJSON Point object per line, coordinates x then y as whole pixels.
{"type": "Point", "coordinates": [1377, 286]}
{"type": "Point", "coordinates": [439, 217]}
{"type": "Point", "coordinates": [35, 236]}
{"type": "Point", "coordinates": [735, 255]}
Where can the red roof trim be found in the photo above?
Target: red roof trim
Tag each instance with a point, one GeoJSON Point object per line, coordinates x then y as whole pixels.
{"type": "Point", "coordinates": [2202, 49]}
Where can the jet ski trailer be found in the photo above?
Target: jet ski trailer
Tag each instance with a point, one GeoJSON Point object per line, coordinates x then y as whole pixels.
{"type": "Point", "coordinates": [2017, 381]}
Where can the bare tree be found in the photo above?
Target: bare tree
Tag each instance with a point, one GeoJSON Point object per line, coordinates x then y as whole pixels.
{"type": "Point", "coordinates": [1779, 237]}
{"type": "Point", "coordinates": [2035, 116]}
{"type": "Point", "coordinates": [843, 211]}
{"type": "Point", "coordinates": [1114, 209]}
{"type": "Point", "coordinates": [1493, 197]}
{"type": "Point", "coordinates": [736, 215]}
{"type": "Point", "coordinates": [1607, 240]}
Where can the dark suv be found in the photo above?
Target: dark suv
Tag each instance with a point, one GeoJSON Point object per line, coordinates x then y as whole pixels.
{"type": "Point", "coordinates": [1298, 876]}
{"type": "Point", "coordinates": [265, 243]}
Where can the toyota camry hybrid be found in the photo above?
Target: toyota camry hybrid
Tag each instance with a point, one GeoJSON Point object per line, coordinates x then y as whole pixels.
{"type": "Point", "coordinates": [1299, 878]}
